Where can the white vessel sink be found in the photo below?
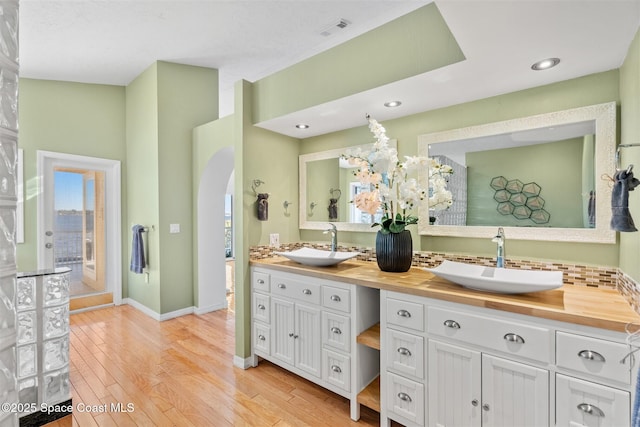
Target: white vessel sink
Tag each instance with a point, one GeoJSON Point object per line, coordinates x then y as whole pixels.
{"type": "Point", "coordinates": [498, 280]}
{"type": "Point", "coordinates": [317, 257]}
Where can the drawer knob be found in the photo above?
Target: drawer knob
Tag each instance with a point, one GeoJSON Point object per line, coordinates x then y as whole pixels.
{"type": "Point", "coordinates": [334, 298]}
{"type": "Point", "coordinates": [485, 407]}
{"type": "Point", "coordinates": [282, 286]}
{"type": "Point", "coordinates": [452, 324]}
{"type": "Point", "coordinates": [591, 355]}
{"type": "Point", "coordinates": [591, 409]}
{"type": "Point", "coordinates": [404, 313]}
{"type": "Point", "coordinates": [475, 402]}
{"type": "Point", "coordinates": [306, 291]}
{"type": "Point", "coordinates": [404, 351]}
{"type": "Point", "coordinates": [514, 338]}
{"type": "Point", "coordinates": [260, 282]}
{"type": "Point", "coordinates": [336, 330]}
{"type": "Point", "coordinates": [336, 369]}
{"type": "Point", "coordinates": [261, 337]}
{"type": "Point", "coordinates": [404, 397]}
{"type": "Point", "coordinates": [261, 306]}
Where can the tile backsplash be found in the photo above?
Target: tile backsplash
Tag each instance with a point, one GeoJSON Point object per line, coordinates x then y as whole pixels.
{"type": "Point", "coordinates": [574, 274]}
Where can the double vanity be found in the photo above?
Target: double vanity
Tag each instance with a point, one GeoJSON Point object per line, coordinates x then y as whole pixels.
{"type": "Point", "coordinates": [443, 354]}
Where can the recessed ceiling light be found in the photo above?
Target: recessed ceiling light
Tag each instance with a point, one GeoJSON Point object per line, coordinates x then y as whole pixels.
{"type": "Point", "coordinates": [545, 64]}
{"type": "Point", "coordinates": [302, 126]}
{"type": "Point", "coordinates": [392, 104]}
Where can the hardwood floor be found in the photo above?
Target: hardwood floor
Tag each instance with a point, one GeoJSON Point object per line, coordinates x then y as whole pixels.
{"type": "Point", "coordinates": [180, 373]}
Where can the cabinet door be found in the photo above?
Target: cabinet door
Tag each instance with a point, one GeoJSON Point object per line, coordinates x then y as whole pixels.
{"type": "Point", "coordinates": [585, 404]}
{"type": "Point", "coordinates": [514, 394]}
{"type": "Point", "coordinates": [307, 339]}
{"type": "Point", "coordinates": [282, 330]}
{"type": "Point", "coordinates": [454, 386]}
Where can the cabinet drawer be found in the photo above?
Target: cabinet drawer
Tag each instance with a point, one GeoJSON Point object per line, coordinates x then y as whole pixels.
{"type": "Point", "coordinates": [336, 369]}
{"type": "Point", "coordinates": [405, 353]}
{"type": "Point", "coordinates": [582, 403]}
{"type": "Point", "coordinates": [260, 281]}
{"type": "Point", "coordinates": [261, 339]}
{"type": "Point", "coordinates": [261, 307]}
{"type": "Point", "coordinates": [297, 289]}
{"type": "Point", "coordinates": [502, 335]}
{"type": "Point", "coordinates": [592, 356]}
{"type": "Point", "coordinates": [336, 298]}
{"type": "Point", "coordinates": [406, 314]}
{"type": "Point", "coordinates": [405, 398]}
{"type": "Point", "coordinates": [336, 331]}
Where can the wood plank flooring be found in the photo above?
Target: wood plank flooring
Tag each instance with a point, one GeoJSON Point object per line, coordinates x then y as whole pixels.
{"type": "Point", "coordinates": [180, 373]}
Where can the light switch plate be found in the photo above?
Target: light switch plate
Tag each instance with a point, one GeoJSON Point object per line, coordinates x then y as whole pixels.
{"type": "Point", "coordinates": [174, 228]}
{"type": "Point", "coordinates": [274, 240]}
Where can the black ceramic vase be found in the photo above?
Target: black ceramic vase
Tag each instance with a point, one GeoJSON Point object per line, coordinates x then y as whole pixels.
{"type": "Point", "coordinates": [394, 251]}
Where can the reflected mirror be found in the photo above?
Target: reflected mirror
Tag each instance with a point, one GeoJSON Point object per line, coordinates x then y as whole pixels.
{"type": "Point", "coordinates": [540, 177]}
{"type": "Point", "coordinates": [327, 187]}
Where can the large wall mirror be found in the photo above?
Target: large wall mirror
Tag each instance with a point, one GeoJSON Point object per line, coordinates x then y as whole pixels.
{"type": "Point", "coordinates": [541, 177]}
{"type": "Point", "coordinates": [327, 187]}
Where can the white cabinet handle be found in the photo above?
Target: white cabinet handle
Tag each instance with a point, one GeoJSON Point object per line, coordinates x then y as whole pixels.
{"type": "Point", "coordinates": [282, 286]}
{"type": "Point", "coordinates": [260, 282]}
{"type": "Point", "coordinates": [404, 351]}
{"type": "Point", "coordinates": [514, 338]}
{"type": "Point", "coordinates": [404, 313]}
{"type": "Point", "coordinates": [474, 402]}
{"type": "Point", "coordinates": [336, 330]}
{"type": "Point", "coordinates": [485, 407]}
{"type": "Point", "coordinates": [306, 291]}
{"type": "Point", "coordinates": [336, 369]}
{"type": "Point", "coordinates": [334, 298]}
{"type": "Point", "coordinates": [591, 409]}
{"type": "Point", "coordinates": [591, 355]}
{"type": "Point", "coordinates": [452, 324]}
{"type": "Point", "coordinates": [261, 306]}
{"type": "Point", "coordinates": [404, 397]}
{"type": "Point", "coordinates": [261, 337]}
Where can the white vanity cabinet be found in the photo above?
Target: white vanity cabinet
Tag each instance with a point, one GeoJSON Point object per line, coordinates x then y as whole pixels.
{"type": "Point", "coordinates": [448, 364]}
{"type": "Point", "coordinates": [309, 326]}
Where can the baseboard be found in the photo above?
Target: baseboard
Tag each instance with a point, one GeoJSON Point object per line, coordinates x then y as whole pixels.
{"type": "Point", "coordinates": [95, 307]}
{"type": "Point", "coordinates": [245, 363]}
{"type": "Point", "coordinates": [210, 308]}
{"type": "Point", "coordinates": [157, 316]}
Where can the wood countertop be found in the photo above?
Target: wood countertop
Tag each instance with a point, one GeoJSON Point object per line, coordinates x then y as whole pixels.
{"type": "Point", "coordinates": [595, 307]}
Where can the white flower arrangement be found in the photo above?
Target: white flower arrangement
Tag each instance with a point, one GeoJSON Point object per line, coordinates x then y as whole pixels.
{"type": "Point", "coordinates": [392, 189]}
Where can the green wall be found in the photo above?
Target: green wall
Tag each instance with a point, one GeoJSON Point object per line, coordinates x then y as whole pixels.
{"type": "Point", "coordinates": [371, 60]}
{"type": "Point", "coordinates": [164, 104]}
{"type": "Point", "coordinates": [73, 118]}
{"type": "Point", "coordinates": [583, 91]}
{"type": "Point", "coordinates": [630, 134]}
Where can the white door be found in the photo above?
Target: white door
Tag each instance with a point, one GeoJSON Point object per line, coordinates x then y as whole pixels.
{"type": "Point", "coordinates": [282, 334]}
{"type": "Point", "coordinates": [454, 386]}
{"type": "Point", "coordinates": [513, 394]}
{"type": "Point", "coordinates": [308, 339]}
{"type": "Point", "coordinates": [108, 234]}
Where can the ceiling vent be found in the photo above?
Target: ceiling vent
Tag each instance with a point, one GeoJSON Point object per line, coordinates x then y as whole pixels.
{"type": "Point", "coordinates": [341, 24]}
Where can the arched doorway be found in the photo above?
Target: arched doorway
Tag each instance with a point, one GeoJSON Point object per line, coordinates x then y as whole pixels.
{"type": "Point", "coordinates": [211, 231]}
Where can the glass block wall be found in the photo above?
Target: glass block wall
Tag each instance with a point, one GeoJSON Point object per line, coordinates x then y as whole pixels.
{"type": "Point", "coordinates": [8, 203]}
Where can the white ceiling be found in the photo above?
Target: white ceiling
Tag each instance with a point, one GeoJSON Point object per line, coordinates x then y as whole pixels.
{"type": "Point", "coordinates": [112, 42]}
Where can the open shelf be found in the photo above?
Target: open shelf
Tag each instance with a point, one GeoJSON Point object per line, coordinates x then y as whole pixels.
{"type": "Point", "coordinates": [370, 337]}
{"type": "Point", "coordinates": [370, 396]}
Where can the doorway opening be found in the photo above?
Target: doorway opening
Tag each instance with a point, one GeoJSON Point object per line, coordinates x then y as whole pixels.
{"type": "Point", "coordinates": [79, 225]}
{"type": "Point", "coordinates": [230, 262]}
{"type": "Point", "coordinates": [78, 228]}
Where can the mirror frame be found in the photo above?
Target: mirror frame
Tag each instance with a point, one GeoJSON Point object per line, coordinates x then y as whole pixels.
{"type": "Point", "coordinates": [303, 159]}
{"type": "Point", "coordinates": [605, 124]}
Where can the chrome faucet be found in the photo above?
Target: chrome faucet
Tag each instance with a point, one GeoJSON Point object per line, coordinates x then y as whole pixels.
{"type": "Point", "coordinates": [500, 239]}
{"type": "Point", "coordinates": [334, 236]}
